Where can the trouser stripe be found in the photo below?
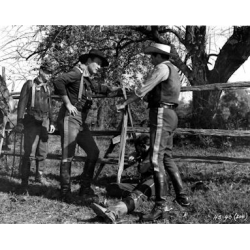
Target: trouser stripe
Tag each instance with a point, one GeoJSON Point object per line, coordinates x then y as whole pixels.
{"type": "Point", "coordinates": [157, 139]}
{"type": "Point", "coordinates": [65, 139]}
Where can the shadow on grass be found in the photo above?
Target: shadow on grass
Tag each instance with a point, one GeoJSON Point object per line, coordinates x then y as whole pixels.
{"type": "Point", "coordinates": [11, 186]}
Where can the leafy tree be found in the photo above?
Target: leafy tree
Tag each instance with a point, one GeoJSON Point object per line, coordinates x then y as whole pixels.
{"type": "Point", "coordinates": [238, 104]}
{"type": "Point", "coordinates": [124, 46]}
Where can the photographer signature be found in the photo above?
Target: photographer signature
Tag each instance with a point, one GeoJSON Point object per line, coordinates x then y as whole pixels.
{"type": "Point", "coordinates": [229, 217]}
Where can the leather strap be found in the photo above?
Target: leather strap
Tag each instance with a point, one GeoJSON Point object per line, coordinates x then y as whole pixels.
{"type": "Point", "coordinates": [80, 89]}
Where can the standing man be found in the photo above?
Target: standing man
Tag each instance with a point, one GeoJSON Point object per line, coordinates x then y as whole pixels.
{"type": "Point", "coordinates": [35, 99]}
{"type": "Point", "coordinates": [76, 89]}
{"type": "Point", "coordinates": [162, 89]}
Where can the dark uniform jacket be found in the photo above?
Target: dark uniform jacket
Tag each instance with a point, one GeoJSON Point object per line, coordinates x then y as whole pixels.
{"type": "Point", "coordinates": [69, 84]}
{"type": "Point", "coordinates": [42, 101]}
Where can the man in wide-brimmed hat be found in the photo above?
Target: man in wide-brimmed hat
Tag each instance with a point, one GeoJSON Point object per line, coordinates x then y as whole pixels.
{"type": "Point", "coordinates": [161, 90]}
{"type": "Point", "coordinates": [34, 116]}
{"type": "Point", "coordinates": [76, 89]}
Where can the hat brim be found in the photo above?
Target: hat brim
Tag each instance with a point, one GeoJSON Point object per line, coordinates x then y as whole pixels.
{"type": "Point", "coordinates": [83, 58]}
{"type": "Point", "coordinates": [150, 50]}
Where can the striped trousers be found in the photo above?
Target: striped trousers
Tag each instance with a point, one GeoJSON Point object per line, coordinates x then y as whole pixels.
{"type": "Point", "coordinates": [163, 123]}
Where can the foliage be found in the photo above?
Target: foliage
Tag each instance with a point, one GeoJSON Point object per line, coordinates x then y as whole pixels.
{"type": "Point", "coordinates": [124, 46]}
{"type": "Point", "coordinates": [238, 104]}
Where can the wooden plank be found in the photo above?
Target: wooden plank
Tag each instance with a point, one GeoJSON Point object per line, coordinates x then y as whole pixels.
{"type": "Point", "coordinates": [2, 132]}
{"type": "Point", "coordinates": [205, 132]}
{"type": "Point", "coordinates": [113, 159]}
{"type": "Point", "coordinates": [206, 87]}
{"type": "Point", "coordinates": [217, 86]}
{"type": "Point", "coordinates": [122, 147]}
{"type": "Point", "coordinates": [59, 157]}
{"type": "Point", "coordinates": [123, 140]}
{"type": "Point", "coordinates": [179, 131]}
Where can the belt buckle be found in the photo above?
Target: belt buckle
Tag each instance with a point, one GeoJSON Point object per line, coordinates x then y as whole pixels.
{"type": "Point", "coordinates": [168, 106]}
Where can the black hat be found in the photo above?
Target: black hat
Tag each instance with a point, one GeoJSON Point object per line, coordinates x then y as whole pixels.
{"type": "Point", "coordinates": [94, 53]}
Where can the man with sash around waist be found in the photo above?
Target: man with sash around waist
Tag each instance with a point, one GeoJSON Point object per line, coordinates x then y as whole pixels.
{"type": "Point", "coordinates": [76, 90]}
{"type": "Point", "coordinates": [161, 90]}
{"type": "Point", "coordinates": [35, 101]}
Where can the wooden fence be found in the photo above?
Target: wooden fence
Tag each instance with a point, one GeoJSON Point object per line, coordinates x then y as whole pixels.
{"type": "Point", "coordinates": [109, 159]}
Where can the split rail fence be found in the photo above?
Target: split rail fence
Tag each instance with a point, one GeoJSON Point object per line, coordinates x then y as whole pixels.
{"type": "Point", "coordinates": [124, 129]}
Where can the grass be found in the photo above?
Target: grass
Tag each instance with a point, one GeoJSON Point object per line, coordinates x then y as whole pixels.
{"type": "Point", "coordinates": [219, 193]}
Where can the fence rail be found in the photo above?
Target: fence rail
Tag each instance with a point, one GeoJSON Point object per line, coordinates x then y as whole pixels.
{"type": "Point", "coordinates": [113, 159]}
{"type": "Point", "coordinates": [180, 131]}
{"type": "Point", "coordinates": [206, 87]}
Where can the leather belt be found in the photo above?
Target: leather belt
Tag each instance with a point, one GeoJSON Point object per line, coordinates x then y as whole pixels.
{"type": "Point", "coordinates": [167, 106]}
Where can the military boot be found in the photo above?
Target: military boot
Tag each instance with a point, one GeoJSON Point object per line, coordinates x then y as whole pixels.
{"type": "Point", "coordinates": [161, 208]}
{"type": "Point", "coordinates": [112, 213]}
{"type": "Point", "coordinates": [181, 197]}
{"type": "Point", "coordinates": [25, 172]}
{"type": "Point", "coordinates": [87, 177]}
{"type": "Point", "coordinates": [65, 173]}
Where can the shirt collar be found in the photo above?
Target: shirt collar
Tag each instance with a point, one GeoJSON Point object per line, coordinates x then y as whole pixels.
{"type": "Point", "coordinates": [167, 61]}
{"type": "Point", "coordinates": [84, 70]}
{"type": "Point", "coordinates": [38, 81]}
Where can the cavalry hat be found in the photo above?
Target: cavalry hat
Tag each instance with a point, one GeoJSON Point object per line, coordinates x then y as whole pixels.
{"type": "Point", "coordinates": [159, 49]}
{"type": "Point", "coordinates": [94, 52]}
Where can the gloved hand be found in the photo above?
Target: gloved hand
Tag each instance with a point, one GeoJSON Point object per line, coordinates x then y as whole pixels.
{"type": "Point", "coordinates": [51, 129]}
{"type": "Point", "coordinates": [132, 157]}
{"type": "Point", "coordinates": [120, 107]}
{"type": "Point", "coordinates": [19, 127]}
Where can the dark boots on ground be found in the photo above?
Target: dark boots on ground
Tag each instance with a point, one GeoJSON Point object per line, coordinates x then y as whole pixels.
{"type": "Point", "coordinates": [181, 197]}
{"type": "Point", "coordinates": [25, 173]}
{"type": "Point", "coordinates": [161, 208]}
{"type": "Point", "coordinates": [65, 173]}
{"type": "Point", "coordinates": [86, 179]}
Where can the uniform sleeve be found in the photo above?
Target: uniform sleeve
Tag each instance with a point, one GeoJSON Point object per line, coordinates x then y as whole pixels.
{"type": "Point", "coordinates": [63, 80]}
{"type": "Point", "coordinates": [100, 88]}
{"type": "Point", "coordinates": [23, 100]}
{"type": "Point", "coordinates": [159, 74]}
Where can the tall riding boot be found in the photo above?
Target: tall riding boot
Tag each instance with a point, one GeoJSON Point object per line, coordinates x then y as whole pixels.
{"type": "Point", "coordinates": [112, 213]}
{"type": "Point", "coordinates": [87, 178]}
{"type": "Point", "coordinates": [25, 172]}
{"type": "Point", "coordinates": [65, 173]}
{"type": "Point", "coordinates": [161, 208]}
{"type": "Point", "coordinates": [181, 196]}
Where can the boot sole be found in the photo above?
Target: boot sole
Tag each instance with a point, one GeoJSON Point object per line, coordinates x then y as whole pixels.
{"type": "Point", "coordinates": [182, 204]}
{"type": "Point", "coordinates": [100, 212]}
